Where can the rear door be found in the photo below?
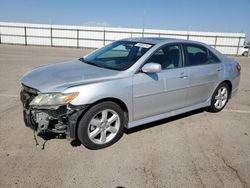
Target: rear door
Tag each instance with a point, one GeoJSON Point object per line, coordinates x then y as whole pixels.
{"type": "Point", "coordinates": [204, 71]}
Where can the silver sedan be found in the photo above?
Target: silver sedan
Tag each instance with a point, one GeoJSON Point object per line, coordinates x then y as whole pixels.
{"type": "Point", "coordinates": [125, 84]}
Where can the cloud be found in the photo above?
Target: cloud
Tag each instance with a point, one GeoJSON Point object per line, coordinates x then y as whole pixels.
{"type": "Point", "coordinates": [96, 23]}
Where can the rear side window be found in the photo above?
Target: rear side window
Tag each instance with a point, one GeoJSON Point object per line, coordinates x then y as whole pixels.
{"type": "Point", "coordinates": [199, 55]}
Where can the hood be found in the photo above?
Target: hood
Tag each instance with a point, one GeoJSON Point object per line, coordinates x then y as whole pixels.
{"type": "Point", "coordinates": [57, 77]}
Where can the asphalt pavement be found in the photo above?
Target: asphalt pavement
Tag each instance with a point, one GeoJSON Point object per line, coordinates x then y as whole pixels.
{"type": "Point", "coordinates": [197, 149]}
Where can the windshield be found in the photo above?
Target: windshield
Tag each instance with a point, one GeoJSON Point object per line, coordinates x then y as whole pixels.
{"type": "Point", "coordinates": [118, 55]}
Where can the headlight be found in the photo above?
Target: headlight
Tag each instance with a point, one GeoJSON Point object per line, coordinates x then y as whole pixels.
{"type": "Point", "coordinates": [53, 99]}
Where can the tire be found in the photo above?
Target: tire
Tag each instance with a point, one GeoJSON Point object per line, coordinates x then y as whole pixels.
{"type": "Point", "coordinates": [101, 126]}
{"type": "Point", "coordinates": [245, 54]}
{"type": "Point", "coordinates": [219, 98]}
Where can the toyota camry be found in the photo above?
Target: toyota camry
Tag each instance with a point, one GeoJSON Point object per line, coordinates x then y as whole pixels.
{"type": "Point", "coordinates": [125, 84]}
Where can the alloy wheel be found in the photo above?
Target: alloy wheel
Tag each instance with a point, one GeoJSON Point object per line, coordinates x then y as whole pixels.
{"type": "Point", "coordinates": [104, 126]}
{"type": "Point", "coordinates": [221, 98]}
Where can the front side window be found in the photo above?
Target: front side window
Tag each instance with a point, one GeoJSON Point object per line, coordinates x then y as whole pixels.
{"type": "Point", "coordinates": [169, 56]}
{"type": "Point", "coordinates": [118, 55]}
{"type": "Point", "coordinates": [199, 55]}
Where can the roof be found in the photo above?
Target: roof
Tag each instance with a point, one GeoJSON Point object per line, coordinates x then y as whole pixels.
{"type": "Point", "coordinates": [157, 40]}
{"type": "Point", "coordinates": [153, 40]}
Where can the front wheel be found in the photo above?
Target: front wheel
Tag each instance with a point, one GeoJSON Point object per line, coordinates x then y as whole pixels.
{"type": "Point", "coordinates": [101, 126]}
{"type": "Point", "coordinates": [219, 98]}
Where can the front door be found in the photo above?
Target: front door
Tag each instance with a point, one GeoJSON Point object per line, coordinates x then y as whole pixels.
{"type": "Point", "coordinates": [157, 93]}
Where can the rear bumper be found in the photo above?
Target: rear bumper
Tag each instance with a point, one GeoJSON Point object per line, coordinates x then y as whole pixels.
{"type": "Point", "coordinates": [235, 85]}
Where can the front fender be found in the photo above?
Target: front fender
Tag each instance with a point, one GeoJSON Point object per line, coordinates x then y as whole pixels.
{"type": "Point", "coordinates": [90, 93]}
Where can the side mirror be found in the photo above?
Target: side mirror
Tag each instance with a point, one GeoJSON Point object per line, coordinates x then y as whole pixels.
{"type": "Point", "coordinates": [151, 68]}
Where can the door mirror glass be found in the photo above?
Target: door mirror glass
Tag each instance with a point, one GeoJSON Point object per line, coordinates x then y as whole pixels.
{"type": "Point", "coordinates": [151, 68]}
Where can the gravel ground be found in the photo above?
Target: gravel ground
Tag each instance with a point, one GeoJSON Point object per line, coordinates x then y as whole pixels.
{"type": "Point", "coordinates": [197, 149]}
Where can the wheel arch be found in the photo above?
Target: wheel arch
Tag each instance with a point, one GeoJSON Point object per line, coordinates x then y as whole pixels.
{"type": "Point", "coordinates": [112, 99]}
{"type": "Point", "coordinates": [229, 83]}
{"type": "Point", "coordinates": [119, 102]}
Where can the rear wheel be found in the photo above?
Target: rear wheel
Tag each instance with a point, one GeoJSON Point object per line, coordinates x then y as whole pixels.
{"type": "Point", "coordinates": [101, 126]}
{"type": "Point", "coordinates": [219, 98]}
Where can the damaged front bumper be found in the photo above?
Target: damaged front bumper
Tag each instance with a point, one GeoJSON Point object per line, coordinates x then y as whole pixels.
{"type": "Point", "coordinates": [60, 119]}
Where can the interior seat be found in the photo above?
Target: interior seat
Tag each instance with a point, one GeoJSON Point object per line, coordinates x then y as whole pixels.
{"type": "Point", "coordinates": [200, 58]}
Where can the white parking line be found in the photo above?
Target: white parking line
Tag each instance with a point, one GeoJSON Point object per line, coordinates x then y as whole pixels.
{"type": "Point", "coordinates": [9, 95]}
{"type": "Point", "coordinates": [237, 111]}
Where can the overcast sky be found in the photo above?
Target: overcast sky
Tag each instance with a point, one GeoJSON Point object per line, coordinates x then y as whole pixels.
{"type": "Point", "coordinates": [198, 15]}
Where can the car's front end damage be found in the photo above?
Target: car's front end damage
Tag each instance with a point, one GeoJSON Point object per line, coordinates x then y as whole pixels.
{"type": "Point", "coordinates": [58, 118]}
{"type": "Point", "coordinates": [53, 98]}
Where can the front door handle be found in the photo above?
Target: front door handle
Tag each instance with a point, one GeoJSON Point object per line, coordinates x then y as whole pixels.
{"type": "Point", "coordinates": [219, 69]}
{"type": "Point", "coordinates": [183, 75]}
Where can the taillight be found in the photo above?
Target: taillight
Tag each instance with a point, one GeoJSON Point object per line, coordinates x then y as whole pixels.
{"type": "Point", "coordinates": [238, 67]}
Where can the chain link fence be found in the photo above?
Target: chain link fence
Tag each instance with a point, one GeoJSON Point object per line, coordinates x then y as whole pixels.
{"type": "Point", "coordinates": [96, 37]}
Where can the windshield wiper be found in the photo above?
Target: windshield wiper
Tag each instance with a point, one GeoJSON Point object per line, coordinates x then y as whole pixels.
{"type": "Point", "coordinates": [88, 62]}
{"type": "Point", "coordinates": [112, 68]}
{"type": "Point", "coordinates": [94, 64]}
{"type": "Point", "coordinates": [81, 59]}
{"type": "Point", "coordinates": [91, 63]}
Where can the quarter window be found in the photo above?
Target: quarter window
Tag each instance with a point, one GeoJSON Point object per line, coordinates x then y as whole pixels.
{"type": "Point", "coordinates": [168, 56]}
{"type": "Point", "coordinates": [199, 55]}
{"type": "Point", "coordinates": [213, 58]}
